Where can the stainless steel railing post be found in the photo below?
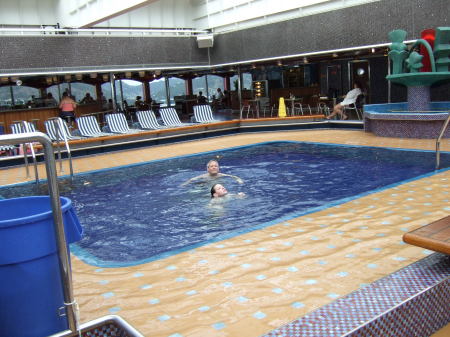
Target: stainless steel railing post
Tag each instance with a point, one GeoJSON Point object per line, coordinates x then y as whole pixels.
{"type": "Point", "coordinates": [63, 254]}
{"type": "Point", "coordinates": [438, 142]}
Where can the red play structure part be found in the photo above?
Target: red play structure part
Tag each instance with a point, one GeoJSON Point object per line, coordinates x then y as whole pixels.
{"type": "Point", "coordinates": [428, 35]}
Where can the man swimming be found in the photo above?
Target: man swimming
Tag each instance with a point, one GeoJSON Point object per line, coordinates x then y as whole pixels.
{"type": "Point", "coordinates": [212, 169]}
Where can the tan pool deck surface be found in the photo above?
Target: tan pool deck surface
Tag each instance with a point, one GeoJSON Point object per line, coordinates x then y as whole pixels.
{"type": "Point", "coordinates": [258, 281]}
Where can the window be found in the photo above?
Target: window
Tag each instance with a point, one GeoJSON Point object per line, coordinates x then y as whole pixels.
{"type": "Point", "coordinates": [79, 90]}
{"type": "Point", "coordinates": [130, 89]}
{"type": "Point", "coordinates": [176, 88]}
{"type": "Point", "coordinates": [214, 82]}
{"type": "Point", "coordinates": [22, 95]}
{"type": "Point", "coordinates": [106, 90]}
{"type": "Point", "coordinates": [158, 90]}
{"type": "Point", "coordinates": [5, 97]}
{"type": "Point", "coordinates": [246, 81]}
{"type": "Point", "coordinates": [199, 84]}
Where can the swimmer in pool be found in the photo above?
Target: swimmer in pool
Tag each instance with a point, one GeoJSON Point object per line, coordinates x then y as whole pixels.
{"type": "Point", "coordinates": [212, 169]}
{"type": "Point", "coordinates": [219, 191]}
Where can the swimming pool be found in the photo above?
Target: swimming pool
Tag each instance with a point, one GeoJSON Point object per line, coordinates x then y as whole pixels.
{"type": "Point", "coordinates": [140, 213]}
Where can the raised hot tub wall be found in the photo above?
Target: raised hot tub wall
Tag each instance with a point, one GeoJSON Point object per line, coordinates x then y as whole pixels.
{"type": "Point", "coordinates": [394, 120]}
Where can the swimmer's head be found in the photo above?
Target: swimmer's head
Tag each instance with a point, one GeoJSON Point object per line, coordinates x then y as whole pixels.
{"type": "Point", "coordinates": [217, 191]}
{"type": "Point", "coordinates": [212, 167]}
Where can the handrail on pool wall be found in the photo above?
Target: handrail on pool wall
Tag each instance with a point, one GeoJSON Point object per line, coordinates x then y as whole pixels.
{"type": "Point", "coordinates": [63, 255]}
{"type": "Point", "coordinates": [438, 142]}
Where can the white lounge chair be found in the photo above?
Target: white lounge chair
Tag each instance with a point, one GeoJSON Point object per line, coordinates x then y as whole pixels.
{"type": "Point", "coordinates": [57, 129]}
{"type": "Point", "coordinates": [88, 127]}
{"type": "Point", "coordinates": [147, 120]}
{"type": "Point", "coordinates": [203, 114]}
{"type": "Point", "coordinates": [117, 123]}
{"type": "Point", "coordinates": [170, 117]}
{"type": "Point", "coordinates": [26, 127]}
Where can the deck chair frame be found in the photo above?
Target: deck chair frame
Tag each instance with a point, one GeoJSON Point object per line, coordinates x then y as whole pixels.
{"type": "Point", "coordinates": [147, 120]}
{"type": "Point", "coordinates": [203, 114]}
{"type": "Point", "coordinates": [170, 117]}
{"type": "Point", "coordinates": [117, 123]}
{"type": "Point", "coordinates": [57, 129]}
{"type": "Point", "coordinates": [88, 127]}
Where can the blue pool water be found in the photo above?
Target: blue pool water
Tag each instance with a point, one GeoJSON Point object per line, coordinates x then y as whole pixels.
{"type": "Point", "coordinates": [138, 213]}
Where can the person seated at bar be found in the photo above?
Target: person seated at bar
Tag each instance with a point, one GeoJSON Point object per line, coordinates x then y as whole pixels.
{"type": "Point", "coordinates": [87, 99]}
{"type": "Point", "coordinates": [201, 99]}
{"type": "Point", "coordinates": [67, 106]}
{"type": "Point", "coordinates": [50, 100]}
{"type": "Point", "coordinates": [138, 103]}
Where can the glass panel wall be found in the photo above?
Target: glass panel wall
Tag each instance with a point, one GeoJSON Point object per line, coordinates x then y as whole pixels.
{"type": "Point", "coordinates": [158, 91]}
{"type": "Point", "coordinates": [199, 84]}
{"type": "Point", "coordinates": [18, 97]}
{"type": "Point", "coordinates": [176, 88]}
{"type": "Point", "coordinates": [246, 81]}
{"type": "Point", "coordinates": [128, 90]}
{"type": "Point", "coordinates": [79, 90]}
{"type": "Point", "coordinates": [214, 82]}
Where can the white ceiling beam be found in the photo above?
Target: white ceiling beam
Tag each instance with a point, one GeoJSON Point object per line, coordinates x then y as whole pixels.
{"type": "Point", "coordinates": [88, 13]}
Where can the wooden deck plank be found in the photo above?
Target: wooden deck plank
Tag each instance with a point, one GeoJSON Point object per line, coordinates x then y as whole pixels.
{"type": "Point", "coordinates": [435, 236]}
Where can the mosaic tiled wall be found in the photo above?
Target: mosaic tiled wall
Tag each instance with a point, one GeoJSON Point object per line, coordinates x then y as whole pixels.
{"type": "Point", "coordinates": [348, 27]}
{"type": "Point", "coordinates": [415, 301]}
{"type": "Point", "coordinates": [66, 51]}
{"type": "Point", "coordinates": [401, 126]}
{"type": "Point", "coordinates": [353, 26]}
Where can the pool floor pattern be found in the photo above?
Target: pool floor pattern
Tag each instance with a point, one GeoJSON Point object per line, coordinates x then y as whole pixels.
{"type": "Point", "coordinates": [254, 283]}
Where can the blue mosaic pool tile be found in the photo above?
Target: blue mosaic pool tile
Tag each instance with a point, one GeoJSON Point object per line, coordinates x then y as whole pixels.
{"type": "Point", "coordinates": [414, 301]}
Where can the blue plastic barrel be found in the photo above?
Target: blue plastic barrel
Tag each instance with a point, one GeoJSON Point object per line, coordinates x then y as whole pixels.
{"type": "Point", "coordinates": [31, 293]}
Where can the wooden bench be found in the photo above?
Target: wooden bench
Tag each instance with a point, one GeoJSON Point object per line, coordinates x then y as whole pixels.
{"type": "Point", "coordinates": [435, 236]}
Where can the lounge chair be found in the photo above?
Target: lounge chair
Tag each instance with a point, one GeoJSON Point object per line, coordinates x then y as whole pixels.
{"type": "Point", "coordinates": [147, 120]}
{"type": "Point", "coordinates": [22, 127]}
{"type": "Point", "coordinates": [88, 127]}
{"type": "Point", "coordinates": [117, 123]}
{"type": "Point", "coordinates": [26, 127]}
{"type": "Point", "coordinates": [203, 114]}
{"type": "Point", "coordinates": [57, 129]}
{"type": "Point", "coordinates": [170, 117]}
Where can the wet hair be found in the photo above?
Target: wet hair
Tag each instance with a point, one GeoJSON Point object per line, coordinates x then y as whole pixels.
{"type": "Point", "coordinates": [212, 160]}
{"type": "Point", "coordinates": [213, 190]}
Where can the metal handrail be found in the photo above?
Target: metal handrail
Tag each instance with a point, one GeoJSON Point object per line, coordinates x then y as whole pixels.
{"type": "Point", "coordinates": [59, 132]}
{"type": "Point", "coordinates": [63, 254]}
{"type": "Point", "coordinates": [26, 129]}
{"type": "Point", "coordinates": [438, 142]}
{"type": "Point", "coordinates": [105, 31]}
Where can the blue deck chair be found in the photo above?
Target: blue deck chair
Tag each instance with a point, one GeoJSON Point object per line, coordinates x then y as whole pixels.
{"type": "Point", "coordinates": [117, 123]}
{"type": "Point", "coordinates": [88, 127]}
{"type": "Point", "coordinates": [147, 120]}
{"type": "Point", "coordinates": [203, 114]}
{"type": "Point", "coordinates": [170, 117]}
{"type": "Point", "coordinates": [57, 129]}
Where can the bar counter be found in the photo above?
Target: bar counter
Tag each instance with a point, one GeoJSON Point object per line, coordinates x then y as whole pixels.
{"type": "Point", "coordinates": [40, 115]}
